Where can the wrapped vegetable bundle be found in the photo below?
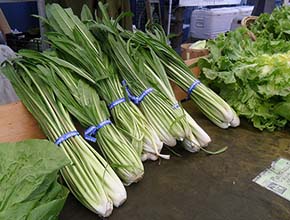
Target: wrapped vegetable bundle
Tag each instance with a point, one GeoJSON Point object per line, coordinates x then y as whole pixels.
{"type": "Point", "coordinates": [90, 178]}
{"type": "Point", "coordinates": [158, 79]}
{"type": "Point", "coordinates": [137, 68]}
{"type": "Point", "coordinates": [83, 102]}
{"type": "Point", "coordinates": [156, 107]}
{"type": "Point", "coordinates": [74, 43]}
{"type": "Point", "coordinates": [214, 107]}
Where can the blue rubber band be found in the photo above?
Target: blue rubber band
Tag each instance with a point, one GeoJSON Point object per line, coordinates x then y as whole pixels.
{"type": "Point", "coordinates": [66, 136]}
{"type": "Point", "coordinates": [136, 99]}
{"type": "Point", "coordinates": [124, 82]}
{"type": "Point", "coordinates": [191, 88]}
{"type": "Point", "coordinates": [175, 106]}
{"type": "Point", "coordinates": [91, 131]}
{"type": "Point", "coordinates": [116, 102]}
{"type": "Point", "coordinates": [130, 95]}
{"type": "Point", "coordinates": [142, 96]}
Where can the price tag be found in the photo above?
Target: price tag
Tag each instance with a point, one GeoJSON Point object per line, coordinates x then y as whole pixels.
{"type": "Point", "coordinates": [276, 178]}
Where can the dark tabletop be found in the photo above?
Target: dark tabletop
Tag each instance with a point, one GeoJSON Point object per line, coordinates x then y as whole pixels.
{"type": "Point", "coordinates": [203, 187]}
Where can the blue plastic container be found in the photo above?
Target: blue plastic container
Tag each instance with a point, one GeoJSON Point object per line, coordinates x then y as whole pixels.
{"type": "Point", "coordinates": [18, 15]}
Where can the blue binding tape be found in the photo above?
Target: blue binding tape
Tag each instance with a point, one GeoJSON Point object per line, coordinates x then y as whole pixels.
{"type": "Point", "coordinates": [175, 106]}
{"type": "Point", "coordinates": [191, 88]}
{"type": "Point", "coordinates": [142, 96]}
{"type": "Point", "coordinates": [116, 102]}
{"type": "Point", "coordinates": [136, 99]}
{"type": "Point", "coordinates": [91, 131]}
{"type": "Point", "coordinates": [130, 95]}
{"type": "Point", "coordinates": [66, 136]}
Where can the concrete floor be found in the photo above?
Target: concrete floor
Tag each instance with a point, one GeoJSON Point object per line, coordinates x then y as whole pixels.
{"type": "Point", "coordinates": [203, 187]}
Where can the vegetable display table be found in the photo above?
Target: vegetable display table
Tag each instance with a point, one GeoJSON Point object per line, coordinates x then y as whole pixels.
{"type": "Point", "coordinates": [192, 186]}
{"type": "Point", "coordinates": [202, 187]}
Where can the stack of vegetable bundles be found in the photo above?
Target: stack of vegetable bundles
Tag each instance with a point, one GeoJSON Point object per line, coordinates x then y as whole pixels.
{"type": "Point", "coordinates": [254, 76]}
{"type": "Point", "coordinates": [116, 84]}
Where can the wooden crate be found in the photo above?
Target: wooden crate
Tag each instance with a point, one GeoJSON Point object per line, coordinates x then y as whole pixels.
{"type": "Point", "coordinates": [188, 54]}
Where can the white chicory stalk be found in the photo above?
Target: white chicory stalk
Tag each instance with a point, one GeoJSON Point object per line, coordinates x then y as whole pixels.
{"type": "Point", "coordinates": [214, 107]}
{"type": "Point", "coordinates": [199, 134]}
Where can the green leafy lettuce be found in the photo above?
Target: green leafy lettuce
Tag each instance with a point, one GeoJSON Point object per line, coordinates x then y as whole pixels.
{"type": "Point", "coordinates": [28, 180]}
{"type": "Point", "coordinates": [275, 26]}
{"type": "Point", "coordinates": [252, 75]}
{"type": "Point", "coordinates": [257, 88]}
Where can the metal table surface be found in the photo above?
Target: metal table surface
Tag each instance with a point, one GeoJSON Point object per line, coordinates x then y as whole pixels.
{"type": "Point", "coordinates": [203, 187]}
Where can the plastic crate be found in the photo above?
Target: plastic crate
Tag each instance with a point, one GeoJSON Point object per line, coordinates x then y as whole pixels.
{"type": "Point", "coordinates": [23, 41]}
{"type": "Point", "coordinates": [244, 10]}
{"type": "Point", "coordinates": [208, 23]}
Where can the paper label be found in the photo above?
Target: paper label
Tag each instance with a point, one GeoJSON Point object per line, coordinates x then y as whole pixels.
{"type": "Point", "coordinates": [276, 178]}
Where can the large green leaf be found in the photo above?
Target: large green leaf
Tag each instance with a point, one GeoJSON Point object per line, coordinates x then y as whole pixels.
{"type": "Point", "coordinates": [28, 180]}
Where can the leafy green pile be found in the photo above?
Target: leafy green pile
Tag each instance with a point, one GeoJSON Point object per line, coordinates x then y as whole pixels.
{"type": "Point", "coordinates": [28, 180]}
{"type": "Point", "coordinates": [257, 88]}
{"type": "Point", "coordinates": [253, 76]}
{"type": "Point", "coordinates": [273, 31]}
{"type": "Point", "coordinates": [275, 26]}
{"type": "Point", "coordinates": [237, 45]}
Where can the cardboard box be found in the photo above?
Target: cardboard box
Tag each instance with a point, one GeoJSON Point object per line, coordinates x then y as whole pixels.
{"type": "Point", "coordinates": [4, 26]}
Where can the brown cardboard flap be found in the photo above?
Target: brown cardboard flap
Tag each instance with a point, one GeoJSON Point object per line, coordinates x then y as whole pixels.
{"type": "Point", "coordinates": [4, 26]}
